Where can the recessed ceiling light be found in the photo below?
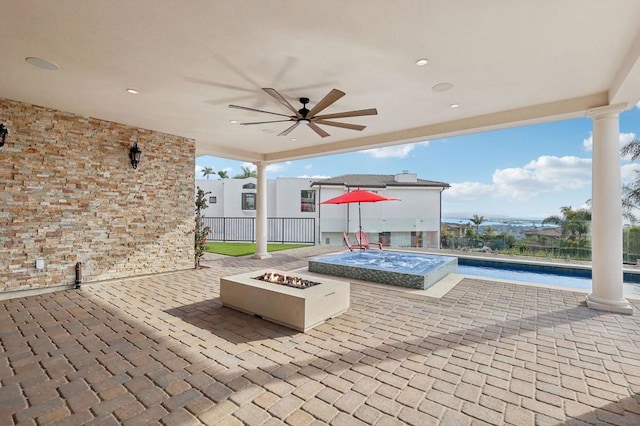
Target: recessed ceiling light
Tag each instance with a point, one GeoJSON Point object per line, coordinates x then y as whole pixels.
{"type": "Point", "coordinates": [454, 106]}
{"type": "Point", "coordinates": [442, 87]}
{"type": "Point", "coordinates": [293, 139]}
{"type": "Point", "coordinates": [422, 62]}
{"type": "Point", "coordinates": [42, 63]}
{"type": "Point", "coordinates": [132, 91]}
{"type": "Point", "coordinates": [233, 121]}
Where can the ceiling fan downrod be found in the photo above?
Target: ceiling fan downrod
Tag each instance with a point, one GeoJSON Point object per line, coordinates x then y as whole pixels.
{"type": "Point", "coordinates": [304, 111]}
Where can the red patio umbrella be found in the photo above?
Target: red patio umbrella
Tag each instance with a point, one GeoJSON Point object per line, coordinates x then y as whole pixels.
{"type": "Point", "coordinates": [358, 196]}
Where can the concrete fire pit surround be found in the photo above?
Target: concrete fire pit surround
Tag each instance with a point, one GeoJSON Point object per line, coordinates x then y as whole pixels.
{"type": "Point", "coordinates": [299, 309]}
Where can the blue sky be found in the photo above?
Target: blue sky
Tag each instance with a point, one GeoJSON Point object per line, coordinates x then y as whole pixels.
{"type": "Point", "coordinates": [528, 171]}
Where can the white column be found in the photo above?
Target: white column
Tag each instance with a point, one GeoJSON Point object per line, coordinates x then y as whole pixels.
{"type": "Point", "coordinates": [261, 213]}
{"type": "Point", "coordinates": [606, 226]}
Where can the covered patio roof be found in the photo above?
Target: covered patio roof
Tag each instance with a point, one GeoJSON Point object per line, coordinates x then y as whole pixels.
{"type": "Point", "coordinates": [508, 63]}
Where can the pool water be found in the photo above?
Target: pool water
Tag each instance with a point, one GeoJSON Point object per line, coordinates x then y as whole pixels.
{"type": "Point", "coordinates": [560, 277]}
{"type": "Point", "coordinates": [401, 262]}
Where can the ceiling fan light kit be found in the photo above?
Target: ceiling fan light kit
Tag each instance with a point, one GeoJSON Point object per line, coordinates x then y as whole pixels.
{"type": "Point", "coordinates": [310, 117]}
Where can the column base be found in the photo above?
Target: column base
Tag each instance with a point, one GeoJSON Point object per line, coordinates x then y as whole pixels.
{"type": "Point", "coordinates": [621, 307]}
{"type": "Point", "coordinates": [261, 256]}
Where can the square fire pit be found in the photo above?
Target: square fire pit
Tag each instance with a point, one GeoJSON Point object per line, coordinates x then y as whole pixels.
{"type": "Point", "coordinates": [297, 308]}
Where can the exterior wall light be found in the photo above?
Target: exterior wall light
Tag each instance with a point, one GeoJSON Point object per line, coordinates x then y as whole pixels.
{"type": "Point", "coordinates": [3, 134]}
{"type": "Point", "coordinates": [134, 154]}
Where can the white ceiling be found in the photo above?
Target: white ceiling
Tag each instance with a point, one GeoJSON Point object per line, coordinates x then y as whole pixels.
{"type": "Point", "coordinates": [510, 62]}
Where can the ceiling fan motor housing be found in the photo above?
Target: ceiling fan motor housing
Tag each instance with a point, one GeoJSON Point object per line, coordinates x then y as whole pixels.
{"type": "Point", "coordinates": [304, 111]}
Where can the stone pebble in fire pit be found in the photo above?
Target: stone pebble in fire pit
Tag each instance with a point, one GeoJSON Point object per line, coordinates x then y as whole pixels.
{"type": "Point", "coordinates": [288, 280]}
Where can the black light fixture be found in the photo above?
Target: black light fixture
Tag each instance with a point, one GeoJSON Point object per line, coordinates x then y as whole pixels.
{"type": "Point", "coordinates": [134, 154]}
{"type": "Point", "coordinates": [3, 134]}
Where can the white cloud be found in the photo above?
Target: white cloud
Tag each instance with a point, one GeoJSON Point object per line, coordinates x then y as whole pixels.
{"type": "Point", "coordinates": [275, 167]}
{"type": "Point", "coordinates": [313, 177]}
{"type": "Point", "coordinates": [199, 170]}
{"type": "Point", "coordinates": [308, 166]}
{"type": "Point", "coordinates": [545, 174]}
{"type": "Point", "coordinates": [629, 172]}
{"type": "Point", "coordinates": [469, 190]}
{"type": "Point", "coordinates": [638, 105]}
{"type": "Point", "coordinates": [625, 138]}
{"type": "Point", "coordinates": [251, 166]}
{"type": "Point", "coordinates": [278, 167]}
{"type": "Point", "coordinates": [397, 151]}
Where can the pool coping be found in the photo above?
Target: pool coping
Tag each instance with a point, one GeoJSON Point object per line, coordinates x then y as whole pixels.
{"type": "Point", "coordinates": [556, 264]}
{"type": "Point", "coordinates": [436, 291]}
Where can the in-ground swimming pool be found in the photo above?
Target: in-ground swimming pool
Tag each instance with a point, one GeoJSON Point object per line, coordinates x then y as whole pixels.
{"type": "Point", "coordinates": [412, 270]}
{"type": "Point", "coordinates": [554, 275]}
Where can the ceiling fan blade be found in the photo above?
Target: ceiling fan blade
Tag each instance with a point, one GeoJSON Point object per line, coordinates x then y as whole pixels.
{"type": "Point", "coordinates": [257, 110]}
{"type": "Point", "coordinates": [318, 130]}
{"type": "Point", "coordinates": [358, 113]}
{"type": "Point", "coordinates": [343, 125]}
{"type": "Point", "coordinates": [287, 131]}
{"type": "Point", "coordinates": [331, 97]}
{"type": "Point", "coordinates": [265, 122]}
{"type": "Point", "coordinates": [278, 97]}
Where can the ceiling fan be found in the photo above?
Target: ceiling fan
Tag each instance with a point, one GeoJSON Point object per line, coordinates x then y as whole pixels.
{"type": "Point", "coordinates": [310, 117]}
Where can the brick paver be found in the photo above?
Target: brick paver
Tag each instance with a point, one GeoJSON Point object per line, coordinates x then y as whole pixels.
{"type": "Point", "coordinates": [163, 349]}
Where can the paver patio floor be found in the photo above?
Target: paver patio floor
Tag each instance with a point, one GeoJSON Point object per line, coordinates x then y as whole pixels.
{"type": "Point", "coordinates": [162, 349]}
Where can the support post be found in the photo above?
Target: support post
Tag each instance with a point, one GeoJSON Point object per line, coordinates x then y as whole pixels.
{"type": "Point", "coordinates": [261, 212]}
{"type": "Point", "coordinates": [606, 225]}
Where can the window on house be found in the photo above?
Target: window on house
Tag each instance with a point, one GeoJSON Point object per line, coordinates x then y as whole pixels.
{"type": "Point", "coordinates": [307, 200]}
{"type": "Point", "coordinates": [249, 186]}
{"type": "Point", "coordinates": [213, 200]}
{"type": "Point", "coordinates": [248, 201]}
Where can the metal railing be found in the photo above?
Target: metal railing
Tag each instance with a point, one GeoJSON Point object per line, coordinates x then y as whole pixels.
{"type": "Point", "coordinates": [279, 229]}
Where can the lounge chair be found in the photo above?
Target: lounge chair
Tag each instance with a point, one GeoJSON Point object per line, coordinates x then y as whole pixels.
{"type": "Point", "coordinates": [350, 246]}
{"type": "Point", "coordinates": [363, 240]}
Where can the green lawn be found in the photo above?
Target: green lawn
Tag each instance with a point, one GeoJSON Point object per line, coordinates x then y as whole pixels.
{"type": "Point", "coordinates": [244, 249]}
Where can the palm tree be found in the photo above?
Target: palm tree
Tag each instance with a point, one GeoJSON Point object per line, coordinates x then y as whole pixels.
{"type": "Point", "coordinates": [246, 173]}
{"type": "Point", "coordinates": [222, 174]}
{"type": "Point", "coordinates": [477, 220]}
{"type": "Point", "coordinates": [572, 222]}
{"type": "Point", "coordinates": [206, 171]}
{"type": "Point", "coordinates": [489, 232]}
{"type": "Point", "coordinates": [631, 191]}
{"type": "Point", "coordinates": [631, 149]}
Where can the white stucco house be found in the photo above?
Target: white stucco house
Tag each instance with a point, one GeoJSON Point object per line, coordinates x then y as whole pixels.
{"type": "Point", "coordinates": [412, 221]}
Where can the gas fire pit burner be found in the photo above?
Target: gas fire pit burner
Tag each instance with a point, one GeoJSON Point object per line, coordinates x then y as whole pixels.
{"type": "Point", "coordinates": [288, 280]}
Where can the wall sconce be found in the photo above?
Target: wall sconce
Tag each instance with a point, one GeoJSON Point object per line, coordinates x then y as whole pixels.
{"type": "Point", "coordinates": [3, 134]}
{"type": "Point", "coordinates": [134, 154]}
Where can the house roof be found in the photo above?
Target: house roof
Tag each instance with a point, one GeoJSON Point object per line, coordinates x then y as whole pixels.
{"type": "Point", "coordinates": [504, 62]}
{"type": "Point", "coordinates": [375, 181]}
{"type": "Point", "coordinates": [544, 232]}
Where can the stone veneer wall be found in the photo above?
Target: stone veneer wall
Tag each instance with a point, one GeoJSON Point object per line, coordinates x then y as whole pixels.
{"type": "Point", "coordinates": [68, 194]}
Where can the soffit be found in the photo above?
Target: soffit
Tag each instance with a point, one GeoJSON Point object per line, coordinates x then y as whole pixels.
{"type": "Point", "coordinates": [511, 62]}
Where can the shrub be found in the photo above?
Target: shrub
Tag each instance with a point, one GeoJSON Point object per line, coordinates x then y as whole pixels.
{"type": "Point", "coordinates": [201, 231]}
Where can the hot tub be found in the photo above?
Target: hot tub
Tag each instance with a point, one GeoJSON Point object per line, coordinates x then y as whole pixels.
{"type": "Point", "coordinates": [412, 270]}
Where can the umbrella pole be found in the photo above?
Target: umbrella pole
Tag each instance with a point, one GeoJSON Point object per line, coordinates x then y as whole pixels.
{"type": "Point", "coordinates": [359, 218]}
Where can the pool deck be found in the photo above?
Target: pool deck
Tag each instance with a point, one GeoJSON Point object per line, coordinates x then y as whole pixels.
{"type": "Point", "coordinates": [162, 349]}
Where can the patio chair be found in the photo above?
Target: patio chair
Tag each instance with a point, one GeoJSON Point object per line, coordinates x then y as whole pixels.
{"type": "Point", "coordinates": [363, 240]}
{"type": "Point", "coordinates": [350, 246]}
